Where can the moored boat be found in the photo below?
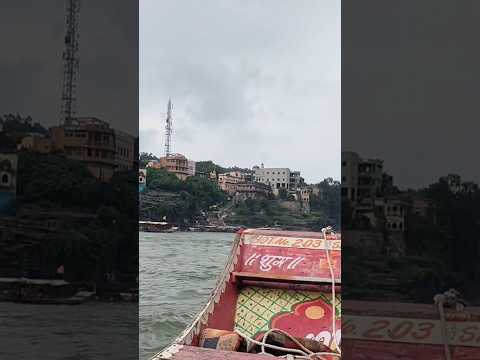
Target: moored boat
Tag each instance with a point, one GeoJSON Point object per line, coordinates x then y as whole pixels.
{"type": "Point", "coordinates": [156, 226]}
{"type": "Point", "coordinates": [278, 295]}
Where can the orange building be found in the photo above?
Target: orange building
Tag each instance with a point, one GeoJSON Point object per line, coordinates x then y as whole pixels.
{"type": "Point", "coordinates": [89, 140]}
{"type": "Point", "coordinates": [228, 181]}
{"type": "Point", "coordinates": [36, 143]}
{"type": "Point", "coordinates": [177, 164]}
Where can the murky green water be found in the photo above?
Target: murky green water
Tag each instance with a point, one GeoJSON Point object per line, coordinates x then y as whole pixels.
{"type": "Point", "coordinates": [177, 274]}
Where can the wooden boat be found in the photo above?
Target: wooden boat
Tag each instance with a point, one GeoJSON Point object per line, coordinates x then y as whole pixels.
{"type": "Point", "coordinates": [388, 331]}
{"type": "Point", "coordinates": [279, 288]}
{"type": "Point", "coordinates": [156, 226]}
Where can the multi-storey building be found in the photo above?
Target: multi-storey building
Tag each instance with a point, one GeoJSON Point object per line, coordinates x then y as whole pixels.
{"type": "Point", "coordinates": [124, 151]}
{"type": "Point", "coordinates": [296, 181]}
{"type": "Point", "coordinates": [36, 143]}
{"type": "Point", "coordinates": [228, 181]}
{"type": "Point", "coordinates": [276, 178]}
{"type": "Point", "coordinates": [89, 140]}
{"type": "Point", "coordinates": [361, 178]}
{"type": "Point", "coordinates": [177, 164]}
{"type": "Point", "coordinates": [394, 213]}
{"type": "Point", "coordinates": [252, 190]}
{"type": "Point", "coordinates": [192, 167]}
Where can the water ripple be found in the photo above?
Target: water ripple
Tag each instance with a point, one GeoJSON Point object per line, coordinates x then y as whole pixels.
{"type": "Point", "coordinates": [177, 274]}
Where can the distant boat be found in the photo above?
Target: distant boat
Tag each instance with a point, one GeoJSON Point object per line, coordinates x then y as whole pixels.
{"type": "Point", "coordinates": [280, 287]}
{"type": "Point", "coordinates": [156, 226]}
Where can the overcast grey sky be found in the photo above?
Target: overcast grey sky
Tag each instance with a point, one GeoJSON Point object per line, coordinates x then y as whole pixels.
{"type": "Point", "coordinates": [31, 66]}
{"type": "Point", "coordinates": [410, 87]}
{"type": "Point", "coordinates": [250, 81]}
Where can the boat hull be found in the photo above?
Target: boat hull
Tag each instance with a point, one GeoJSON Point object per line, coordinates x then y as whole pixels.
{"type": "Point", "coordinates": [271, 280]}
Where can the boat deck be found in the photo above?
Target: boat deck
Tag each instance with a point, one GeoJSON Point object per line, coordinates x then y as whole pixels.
{"type": "Point", "coordinates": [195, 353]}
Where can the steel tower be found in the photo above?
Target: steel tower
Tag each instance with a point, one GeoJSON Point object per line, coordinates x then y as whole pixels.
{"type": "Point", "coordinates": [168, 128]}
{"type": "Point", "coordinates": [70, 63]}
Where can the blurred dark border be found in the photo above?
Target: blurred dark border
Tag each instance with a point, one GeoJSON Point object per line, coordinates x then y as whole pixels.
{"type": "Point", "coordinates": [410, 195]}
{"type": "Point", "coordinates": [68, 180]}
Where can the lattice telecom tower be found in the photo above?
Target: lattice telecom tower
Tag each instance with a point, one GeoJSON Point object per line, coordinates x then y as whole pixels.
{"type": "Point", "coordinates": [168, 128]}
{"type": "Point", "coordinates": [70, 63]}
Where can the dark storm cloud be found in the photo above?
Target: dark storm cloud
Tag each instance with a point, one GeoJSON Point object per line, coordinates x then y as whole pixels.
{"type": "Point", "coordinates": [410, 86]}
{"type": "Point", "coordinates": [31, 64]}
{"type": "Point", "coordinates": [251, 82]}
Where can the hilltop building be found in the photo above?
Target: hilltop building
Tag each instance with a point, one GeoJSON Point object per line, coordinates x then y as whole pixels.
{"type": "Point", "coordinates": [278, 178]}
{"type": "Point", "coordinates": [228, 181]}
{"type": "Point", "coordinates": [240, 185]}
{"type": "Point", "coordinates": [251, 190]}
{"type": "Point", "coordinates": [125, 154]}
{"type": "Point", "coordinates": [89, 140]}
{"type": "Point", "coordinates": [177, 164]}
{"type": "Point", "coordinates": [372, 195]}
{"type": "Point", "coordinates": [361, 178]}
{"type": "Point", "coordinates": [37, 143]}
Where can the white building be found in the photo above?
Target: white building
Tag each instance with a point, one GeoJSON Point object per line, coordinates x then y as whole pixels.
{"type": "Point", "coordinates": [192, 165]}
{"type": "Point", "coordinates": [276, 178]}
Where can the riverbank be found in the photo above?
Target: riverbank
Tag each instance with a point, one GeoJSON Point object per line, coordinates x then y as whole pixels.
{"type": "Point", "coordinates": [198, 228]}
{"type": "Point", "coordinates": [57, 291]}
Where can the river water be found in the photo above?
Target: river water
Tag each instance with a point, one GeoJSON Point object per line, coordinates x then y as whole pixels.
{"type": "Point", "coordinates": [177, 274]}
{"type": "Point", "coordinates": [90, 331]}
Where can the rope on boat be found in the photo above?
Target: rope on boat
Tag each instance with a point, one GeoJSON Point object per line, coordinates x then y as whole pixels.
{"type": "Point", "coordinates": [303, 352]}
{"type": "Point", "coordinates": [332, 277]}
{"type": "Point", "coordinates": [440, 300]}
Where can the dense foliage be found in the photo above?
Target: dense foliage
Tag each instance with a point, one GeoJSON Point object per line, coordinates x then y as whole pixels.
{"type": "Point", "coordinates": [328, 201]}
{"type": "Point", "coordinates": [207, 167]}
{"type": "Point", "coordinates": [194, 195]}
{"type": "Point", "coordinates": [16, 124]}
{"type": "Point", "coordinates": [104, 240]}
{"type": "Point", "coordinates": [289, 214]}
{"type": "Point", "coordinates": [442, 248]}
{"type": "Point", "coordinates": [144, 158]}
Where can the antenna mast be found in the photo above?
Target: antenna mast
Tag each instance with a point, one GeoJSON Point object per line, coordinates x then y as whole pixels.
{"type": "Point", "coordinates": [70, 63]}
{"type": "Point", "coordinates": [168, 128]}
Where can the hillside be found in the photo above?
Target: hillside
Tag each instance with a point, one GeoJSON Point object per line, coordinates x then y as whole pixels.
{"type": "Point", "coordinates": [209, 166]}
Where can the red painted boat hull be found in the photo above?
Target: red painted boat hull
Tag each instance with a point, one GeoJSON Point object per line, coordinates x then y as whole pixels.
{"type": "Point", "coordinates": [272, 279]}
